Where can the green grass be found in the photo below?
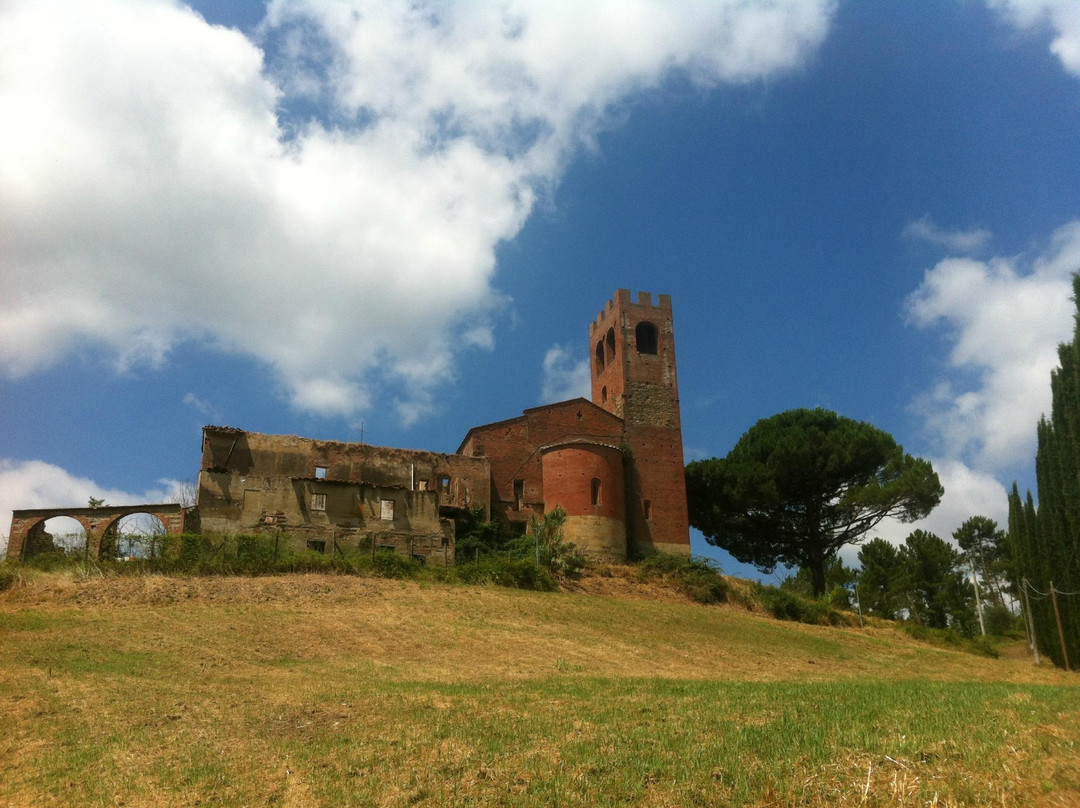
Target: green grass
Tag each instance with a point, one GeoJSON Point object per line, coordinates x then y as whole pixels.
{"type": "Point", "coordinates": [330, 691]}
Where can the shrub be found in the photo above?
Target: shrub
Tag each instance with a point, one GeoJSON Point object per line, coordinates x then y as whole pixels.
{"type": "Point", "coordinates": [698, 578]}
{"type": "Point", "coordinates": [9, 575]}
{"type": "Point", "coordinates": [518, 573]}
{"type": "Point", "coordinates": [948, 638]}
{"type": "Point", "coordinates": [389, 564]}
{"type": "Point", "coordinates": [1001, 622]}
{"type": "Point", "coordinates": [785, 604]}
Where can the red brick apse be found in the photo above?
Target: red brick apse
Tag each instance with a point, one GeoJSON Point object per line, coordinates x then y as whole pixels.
{"type": "Point", "coordinates": [586, 480]}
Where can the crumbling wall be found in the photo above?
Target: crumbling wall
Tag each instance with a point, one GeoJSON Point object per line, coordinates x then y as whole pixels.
{"type": "Point", "coordinates": [458, 481]}
{"type": "Point", "coordinates": [336, 497]}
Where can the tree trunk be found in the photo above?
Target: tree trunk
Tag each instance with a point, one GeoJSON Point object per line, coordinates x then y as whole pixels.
{"type": "Point", "coordinates": [817, 569]}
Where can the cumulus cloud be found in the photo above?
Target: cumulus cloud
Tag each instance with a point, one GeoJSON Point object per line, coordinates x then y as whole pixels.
{"type": "Point", "coordinates": [1005, 318]}
{"type": "Point", "coordinates": [160, 183]}
{"type": "Point", "coordinates": [959, 241]}
{"type": "Point", "coordinates": [202, 405]}
{"type": "Point", "coordinates": [31, 484]}
{"type": "Point", "coordinates": [564, 377]}
{"type": "Point", "coordinates": [1061, 17]}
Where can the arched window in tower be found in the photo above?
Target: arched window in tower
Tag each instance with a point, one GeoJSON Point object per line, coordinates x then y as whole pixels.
{"type": "Point", "coordinates": [595, 491]}
{"type": "Point", "coordinates": [609, 344]}
{"type": "Point", "coordinates": [599, 357]}
{"type": "Point", "coordinates": [603, 394]}
{"type": "Point", "coordinates": [647, 337]}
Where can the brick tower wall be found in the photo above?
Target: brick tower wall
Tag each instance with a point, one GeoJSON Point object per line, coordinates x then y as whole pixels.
{"type": "Point", "coordinates": [632, 356]}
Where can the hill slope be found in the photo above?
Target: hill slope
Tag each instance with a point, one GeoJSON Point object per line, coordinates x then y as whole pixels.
{"type": "Point", "coordinates": [316, 690]}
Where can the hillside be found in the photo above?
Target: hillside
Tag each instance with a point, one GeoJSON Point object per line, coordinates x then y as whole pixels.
{"type": "Point", "coordinates": [323, 690]}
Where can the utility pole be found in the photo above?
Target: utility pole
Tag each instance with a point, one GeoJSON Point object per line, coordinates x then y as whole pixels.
{"type": "Point", "coordinates": [978, 602]}
{"type": "Point", "coordinates": [858, 603]}
{"type": "Point", "coordinates": [1061, 631]}
{"type": "Point", "coordinates": [1029, 620]}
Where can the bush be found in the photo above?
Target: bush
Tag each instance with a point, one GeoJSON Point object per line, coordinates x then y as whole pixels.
{"type": "Point", "coordinates": [9, 575]}
{"type": "Point", "coordinates": [698, 578]}
{"type": "Point", "coordinates": [948, 638]}
{"type": "Point", "coordinates": [518, 573]}
{"type": "Point", "coordinates": [389, 564]}
{"type": "Point", "coordinates": [784, 604]}
{"type": "Point", "coordinates": [1001, 622]}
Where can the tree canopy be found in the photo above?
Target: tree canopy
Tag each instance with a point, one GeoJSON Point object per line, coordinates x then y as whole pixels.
{"type": "Point", "coordinates": [800, 485]}
{"type": "Point", "coordinates": [938, 595]}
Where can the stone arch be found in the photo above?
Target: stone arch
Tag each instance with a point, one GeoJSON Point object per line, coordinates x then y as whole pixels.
{"type": "Point", "coordinates": [132, 535]}
{"type": "Point", "coordinates": [67, 537]}
{"type": "Point", "coordinates": [599, 357]}
{"type": "Point", "coordinates": [95, 521]}
{"type": "Point", "coordinates": [609, 345]}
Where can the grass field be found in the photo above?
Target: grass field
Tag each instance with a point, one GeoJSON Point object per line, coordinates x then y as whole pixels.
{"type": "Point", "coordinates": [322, 690]}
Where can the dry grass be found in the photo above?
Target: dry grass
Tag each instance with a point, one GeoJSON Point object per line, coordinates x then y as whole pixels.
{"type": "Point", "coordinates": [315, 690]}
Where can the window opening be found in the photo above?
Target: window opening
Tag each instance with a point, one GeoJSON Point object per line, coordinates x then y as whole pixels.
{"type": "Point", "coordinates": [648, 510]}
{"type": "Point", "coordinates": [609, 344]}
{"type": "Point", "coordinates": [420, 557]}
{"type": "Point", "coordinates": [444, 485]}
{"type": "Point", "coordinates": [320, 472]}
{"type": "Point", "coordinates": [421, 485]}
{"type": "Point", "coordinates": [317, 546]}
{"type": "Point", "coordinates": [519, 494]}
{"type": "Point", "coordinates": [318, 502]}
{"type": "Point", "coordinates": [599, 356]}
{"type": "Point", "coordinates": [603, 394]}
{"type": "Point", "coordinates": [595, 491]}
{"type": "Point", "coordinates": [387, 510]}
{"type": "Point", "coordinates": [647, 338]}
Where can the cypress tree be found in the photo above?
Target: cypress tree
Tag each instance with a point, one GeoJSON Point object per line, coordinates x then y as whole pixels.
{"type": "Point", "coordinates": [1047, 541]}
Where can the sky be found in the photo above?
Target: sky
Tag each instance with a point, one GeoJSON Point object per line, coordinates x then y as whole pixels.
{"type": "Point", "coordinates": [394, 221]}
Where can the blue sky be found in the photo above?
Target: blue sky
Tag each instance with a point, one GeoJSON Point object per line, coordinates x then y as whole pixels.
{"type": "Point", "coordinates": [311, 216]}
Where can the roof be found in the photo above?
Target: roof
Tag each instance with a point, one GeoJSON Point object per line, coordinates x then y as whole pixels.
{"type": "Point", "coordinates": [578, 402]}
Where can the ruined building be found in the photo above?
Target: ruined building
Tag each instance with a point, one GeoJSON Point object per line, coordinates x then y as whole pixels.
{"type": "Point", "coordinates": [615, 464]}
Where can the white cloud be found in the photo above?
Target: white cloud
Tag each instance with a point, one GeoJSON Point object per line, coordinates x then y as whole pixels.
{"type": "Point", "coordinates": [31, 484]}
{"type": "Point", "coordinates": [564, 377]}
{"type": "Point", "coordinates": [960, 241]}
{"type": "Point", "coordinates": [150, 193]}
{"type": "Point", "coordinates": [1062, 17]}
{"type": "Point", "coordinates": [202, 405]}
{"type": "Point", "coordinates": [1005, 318]}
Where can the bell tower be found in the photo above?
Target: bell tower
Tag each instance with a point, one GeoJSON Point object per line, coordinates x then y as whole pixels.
{"type": "Point", "coordinates": [632, 357]}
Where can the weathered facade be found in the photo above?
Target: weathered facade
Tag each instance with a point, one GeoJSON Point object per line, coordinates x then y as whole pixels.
{"type": "Point", "coordinates": [615, 464]}
{"type": "Point", "coordinates": [335, 496]}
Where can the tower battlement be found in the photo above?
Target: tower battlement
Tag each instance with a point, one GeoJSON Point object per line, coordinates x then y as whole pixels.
{"type": "Point", "coordinates": [622, 299]}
